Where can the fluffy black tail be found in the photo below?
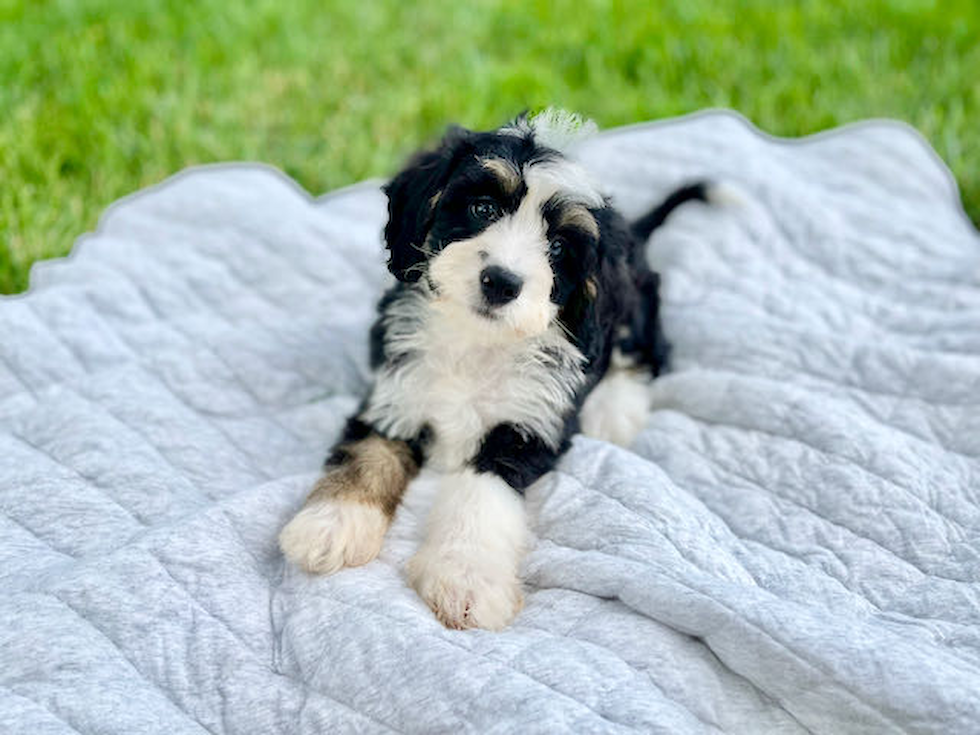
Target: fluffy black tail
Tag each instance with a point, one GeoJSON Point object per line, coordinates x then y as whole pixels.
{"type": "Point", "coordinates": [645, 225]}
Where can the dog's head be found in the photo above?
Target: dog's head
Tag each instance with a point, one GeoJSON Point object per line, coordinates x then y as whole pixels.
{"type": "Point", "coordinates": [500, 226]}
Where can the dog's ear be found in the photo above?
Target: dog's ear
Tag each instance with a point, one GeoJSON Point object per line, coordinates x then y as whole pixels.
{"type": "Point", "coordinates": [606, 292]}
{"type": "Point", "coordinates": [412, 198]}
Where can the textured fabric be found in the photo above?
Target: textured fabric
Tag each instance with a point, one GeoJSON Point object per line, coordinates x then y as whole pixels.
{"type": "Point", "coordinates": [793, 545]}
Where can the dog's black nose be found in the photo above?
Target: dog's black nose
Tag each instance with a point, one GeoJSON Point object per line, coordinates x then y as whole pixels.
{"type": "Point", "coordinates": [499, 285]}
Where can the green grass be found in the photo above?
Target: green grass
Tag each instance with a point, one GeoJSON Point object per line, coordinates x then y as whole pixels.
{"type": "Point", "coordinates": [100, 97]}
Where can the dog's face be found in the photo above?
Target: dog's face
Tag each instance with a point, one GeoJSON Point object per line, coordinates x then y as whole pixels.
{"type": "Point", "coordinates": [501, 229]}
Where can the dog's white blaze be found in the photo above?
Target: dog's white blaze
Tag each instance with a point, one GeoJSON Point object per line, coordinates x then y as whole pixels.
{"type": "Point", "coordinates": [463, 376]}
{"type": "Point", "coordinates": [566, 178]}
{"type": "Point", "coordinates": [519, 243]}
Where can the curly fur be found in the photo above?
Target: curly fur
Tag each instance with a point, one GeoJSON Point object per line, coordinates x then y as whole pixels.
{"type": "Point", "coordinates": [516, 284]}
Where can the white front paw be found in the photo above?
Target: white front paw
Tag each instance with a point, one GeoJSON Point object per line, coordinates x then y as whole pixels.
{"type": "Point", "coordinates": [327, 535]}
{"type": "Point", "coordinates": [465, 589]}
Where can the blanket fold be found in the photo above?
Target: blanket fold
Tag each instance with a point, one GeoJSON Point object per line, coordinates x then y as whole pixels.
{"type": "Point", "coordinates": [793, 545]}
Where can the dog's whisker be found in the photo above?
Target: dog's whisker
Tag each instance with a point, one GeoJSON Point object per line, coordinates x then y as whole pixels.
{"type": "Point", "coordinates": [564, 329]}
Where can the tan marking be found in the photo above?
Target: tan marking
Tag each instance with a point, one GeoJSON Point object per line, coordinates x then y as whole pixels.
{"type": "Point", "coordinates": [508, 176]}
{"type": "Point", "coordinates": [591, 289]}
{"type": "Point", "coordinates": [435, 199]}
{"type": "Point", "coordinates": [580, 218]}
{"type": "Point", "coordinates": [374, 471]}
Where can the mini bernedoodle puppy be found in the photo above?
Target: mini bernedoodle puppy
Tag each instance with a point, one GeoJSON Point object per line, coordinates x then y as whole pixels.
{"type": "Point", "coordinates": [524, 310]}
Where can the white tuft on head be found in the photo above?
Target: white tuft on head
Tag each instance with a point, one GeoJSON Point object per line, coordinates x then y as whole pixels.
{"type": "Point", "coordinates": [560, 129]}
{"type": "Point", "coordinates": [554, 128]}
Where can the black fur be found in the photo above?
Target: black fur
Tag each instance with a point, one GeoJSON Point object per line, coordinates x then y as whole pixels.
{"type": "Point", "coordinates": [412, 194]}
{"type": "Point", "coordinates": [517, 457]}
{"type": "Point", "coordinates": [645, 225]}
{"type": "Point", "coordinates": [378, 355]}
{"type": "Point", "coordinates": [354, 430]}
{"type": "Point", "coordinates": [606, 294]}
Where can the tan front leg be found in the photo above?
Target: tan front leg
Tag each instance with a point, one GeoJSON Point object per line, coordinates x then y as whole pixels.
{"type": "Point", "coordinates": [344, 519]}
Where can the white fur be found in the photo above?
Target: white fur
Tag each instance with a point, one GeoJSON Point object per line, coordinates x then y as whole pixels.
{"type": "Point", "coordinates": [464, 372]}
{"type": "Point", "coordinates": [618, 407]}
{"type": "Point", "coordinates": [554, 128]}
{"type": "Point", "coordinates": [325, 536]}
{"type": "Point", "coordinates": [463, 377]}
{"type": "Point", "coordinates": [725, 194]}
{"type": "Point", "coordinates": [518, 242]}
{"type": "Point", "coordinates": [467, 568]}
{"type": "Point", "coordinates": [564, 177]}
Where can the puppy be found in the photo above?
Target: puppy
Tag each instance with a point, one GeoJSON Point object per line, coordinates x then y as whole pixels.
{"type": "Point", "coordinates": [523, 310]}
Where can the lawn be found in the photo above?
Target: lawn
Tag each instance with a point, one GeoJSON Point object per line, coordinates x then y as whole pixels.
{"type": "Point", "coordinates": [101, 97]}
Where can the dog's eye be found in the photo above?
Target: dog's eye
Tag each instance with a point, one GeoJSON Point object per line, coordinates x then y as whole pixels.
{"type": "Point", "coordinates": [556, 247]}
{"type": "Point", "coordinates": [484, 209]}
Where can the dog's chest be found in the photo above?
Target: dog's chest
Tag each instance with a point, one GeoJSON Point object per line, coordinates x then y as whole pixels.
{"type": "Point", "coordinates": [461, 391]}
{"type": "Point", "coordinates": [464, 397]}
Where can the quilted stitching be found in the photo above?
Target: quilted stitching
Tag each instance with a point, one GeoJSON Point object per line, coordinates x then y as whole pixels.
{"type": "Point", "coordinates": [794, 547]}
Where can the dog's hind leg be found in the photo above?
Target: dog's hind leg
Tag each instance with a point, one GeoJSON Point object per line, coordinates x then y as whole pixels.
{"type": "Point", "coordinates": [618, 407]}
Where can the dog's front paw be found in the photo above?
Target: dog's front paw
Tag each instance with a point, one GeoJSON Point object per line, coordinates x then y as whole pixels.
{"type": "Point", "coordinates": [465, 590]}
{"type": "Point", "coordinates": [332, 533]}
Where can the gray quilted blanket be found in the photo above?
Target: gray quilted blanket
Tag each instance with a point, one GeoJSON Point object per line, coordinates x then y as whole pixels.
{"type": "Point", "coordinates": [793, 545]}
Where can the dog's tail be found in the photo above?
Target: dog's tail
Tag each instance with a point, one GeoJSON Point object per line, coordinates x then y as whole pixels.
{"type": "Point", "coordinates": [702, 191]}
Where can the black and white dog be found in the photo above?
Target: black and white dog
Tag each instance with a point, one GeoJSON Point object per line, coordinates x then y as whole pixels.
{"type": "Point", "coordinates": [524, 310]}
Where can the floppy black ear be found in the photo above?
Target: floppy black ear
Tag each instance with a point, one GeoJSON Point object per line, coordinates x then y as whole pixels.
{"type": "Point", "coordinates": [607, 293]}
{"type": "Point", "coordinates": [412, 196]}
{"type": "Point", "coordinates": [627, 295]}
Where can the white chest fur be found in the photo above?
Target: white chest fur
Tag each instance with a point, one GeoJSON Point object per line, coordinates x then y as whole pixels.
{"type": "Point", "coordinates": [462, 377]}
